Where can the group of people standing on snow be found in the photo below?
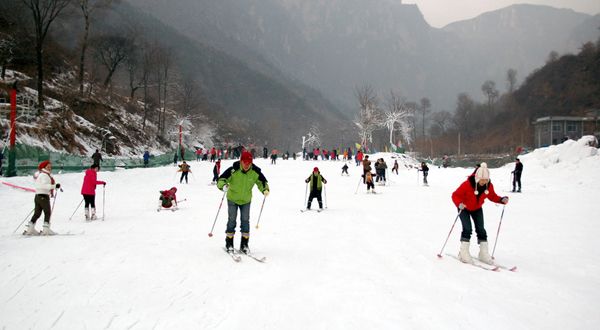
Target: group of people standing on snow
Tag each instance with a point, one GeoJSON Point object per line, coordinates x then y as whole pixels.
{"type": "Point", "coordinates": [45, 188]}
{"type": "Point", "coordinates": [238, 180]}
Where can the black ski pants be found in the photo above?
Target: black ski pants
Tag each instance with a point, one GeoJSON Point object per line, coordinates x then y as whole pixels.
{"type": "Point", "coordinates": [90, 200]}
{"type": "Point", "coordinates": [315, 194]}
{"type": "Point", "coordinates": [465, 219]}
{"type": "Point", "coordinates": [184, 175]}
{"type": "Point", "coordinates": [42, 203]}
{"type": "Point", "coordinates": [517, 180]}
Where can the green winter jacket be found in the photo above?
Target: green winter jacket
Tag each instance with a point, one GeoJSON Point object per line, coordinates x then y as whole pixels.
{"type": "Point", "coordinates": [320, 180]}
{"type": "Point", "coordinates": [241, 183]}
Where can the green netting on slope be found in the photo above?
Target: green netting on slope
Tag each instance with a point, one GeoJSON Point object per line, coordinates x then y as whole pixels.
{"type": "Point", "coordinates": [28, 158]}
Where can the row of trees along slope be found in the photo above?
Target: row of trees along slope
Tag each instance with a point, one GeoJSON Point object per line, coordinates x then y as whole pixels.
{"type": "Point", "coordinates": [111, 49]}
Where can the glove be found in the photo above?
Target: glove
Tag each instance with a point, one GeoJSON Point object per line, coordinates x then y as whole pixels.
{"type": "Point", "coordinates": [266, 193]}
{"type": "Point", "coordinates": [504, 200]}
{"type": "Point", "coordinates": [104, 184]}
{"type": "Point", "coordinates": [58, 186]}
{"type": "Point", "coordinates": [225, 188]}
{"type": "Point", "coordinates": [306, 181]}
{"type": "Point", "coordinates": [461, 206]}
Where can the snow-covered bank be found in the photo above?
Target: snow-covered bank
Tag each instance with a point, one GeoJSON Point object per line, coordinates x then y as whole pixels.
{"type": "Point", "coordinates": [368, 261]}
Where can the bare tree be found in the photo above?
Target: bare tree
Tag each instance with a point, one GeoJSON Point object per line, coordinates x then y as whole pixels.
{"type": "Point", "coordinates": [163, 61]}
{"type": "Point", "coordinates": [489, 90]}
{"type": "Point", "coordinates": [7, 49]}
{"type": "Point", "coordinates": [147, 64]}
{"type": "Point", "coordinates": [552, 56]}
{"type": "Point", "coordinates": [464, 110]}
{"type": "Point", "coordinates": [511, 80]}
{"type": "Point", "coordinates": [398, 113]}
{"type": "Point", "coordinates": [441, 122]}
{"type": "Point", "coordinates": [44, 13]}
{"type": "Point", "coordinates": [189, 95]}
{"type": "Point", "coordinates": [424, 109]}
{"type": "Point", "coordinates": [313, 137]}
{"type": "Point", "coordinates": [87, 8]}
{"type": "Point", "coordinates": [369, 117]}
{"type": "Point", "coordinates": [112, 50]}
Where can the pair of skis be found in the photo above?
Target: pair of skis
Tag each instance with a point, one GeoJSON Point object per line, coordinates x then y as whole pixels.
{"type": "Point", "coordinates": [480, 264]}
{"type": "Point", "coordinates": [305, 210]}
{"type": "Point", "coordinates": [236, 256]}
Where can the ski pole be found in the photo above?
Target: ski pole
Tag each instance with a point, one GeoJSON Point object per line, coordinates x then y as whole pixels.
{"type": "Point", "coordinates": [358, 185]}
{"type": "Point", "coordinates": [76, 210]}
{"type": "Point", "coordinates": [219, 210]}
{"type": "Point", "coordinates": [54, 203]}
{"type": "Point", "coordinates": [498, 233]}
{"type": "Point", "coordinates": [28, 215]}
{"type": "Point", "coordinates": [325, 191]}
{"type": "Point", "coordinates": [103, 200]}
{"type": "Point", "coordinates": [261, 208]}
{"type": "Point", "coordinates": [451, 228]}
{"type": "Point", "coordinates": [305, 195]}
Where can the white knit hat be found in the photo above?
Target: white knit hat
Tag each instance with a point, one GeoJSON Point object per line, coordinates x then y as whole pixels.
{"type": "Point", "coordinates": [481, 173]}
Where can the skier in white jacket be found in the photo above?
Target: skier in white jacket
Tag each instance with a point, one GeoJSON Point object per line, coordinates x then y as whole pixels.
{"type": "Point", "coordinates": [44, 189]}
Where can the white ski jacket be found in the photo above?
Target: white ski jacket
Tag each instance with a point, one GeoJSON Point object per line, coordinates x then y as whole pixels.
{"type": "Point", "coordinates": [44, 183]}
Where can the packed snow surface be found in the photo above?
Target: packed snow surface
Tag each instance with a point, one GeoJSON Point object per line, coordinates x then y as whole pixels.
{"type": "Point", "coordinates": [367, 262]}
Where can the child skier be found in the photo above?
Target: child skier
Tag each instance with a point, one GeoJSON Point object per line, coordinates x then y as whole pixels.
{"type": "Point", "coordinates": [88, 190]}
{"type": "Point", "coordinates": [216, 171]}
{"type": "Point", "coordinates": [395, 168]}
{"type": "Point", "coordinates": [315, 182]}
{"type": "Point", "coordinates": [469, 198]}
{"type": "Point", "coordinates": [368, 177]}
{"type": "Point", "coordinates": [184, 168]}
{"type": "Point", "coordinates": [425, 170]}
{"type": "Point", "coordinates": [166, 199]}
{"type": "Point", "coordinates": [345, 169]}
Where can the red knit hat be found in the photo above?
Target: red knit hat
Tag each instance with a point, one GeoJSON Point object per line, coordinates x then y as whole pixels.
{"type": "Point", "coordinates": [246, 157]}
{"type": "Point", "coordinates": [316, 169]}
{"type": "Point", "coordinates": [43, 164]}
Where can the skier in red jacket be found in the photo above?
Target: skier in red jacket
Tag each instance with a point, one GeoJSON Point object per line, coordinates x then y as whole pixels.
{"type": "Point", "coordinates": [167, 197]}
{"type": "Point", "coordinates": [88, 190]}
{"type": "Point", "coordinates": [469, 198]}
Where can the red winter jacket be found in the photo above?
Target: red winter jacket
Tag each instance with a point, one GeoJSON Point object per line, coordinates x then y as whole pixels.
{"type": "Point", "coordinates": [466, 194]}
{"type": "Point", "coordinates": [90, 182]}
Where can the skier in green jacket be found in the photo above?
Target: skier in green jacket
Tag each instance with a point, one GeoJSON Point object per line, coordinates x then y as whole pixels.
{"type": "Point", "coordinates": [238, 181]}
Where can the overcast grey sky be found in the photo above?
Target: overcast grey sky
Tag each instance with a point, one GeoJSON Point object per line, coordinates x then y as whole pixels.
{"type": "Point", "coordinates": [438, 13]}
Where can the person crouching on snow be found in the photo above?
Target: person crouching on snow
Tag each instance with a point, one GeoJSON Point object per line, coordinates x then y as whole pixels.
{"type": "Point", "coordinates": [88, 190]}
{"type": "Point", "coordinates": [167, 197]}
{"type": "Point", "coordinates": [315, 182]}
{"type": "Point", "coordinates": [469, 198]}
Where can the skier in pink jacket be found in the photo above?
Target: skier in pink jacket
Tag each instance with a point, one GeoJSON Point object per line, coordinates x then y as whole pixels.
{"type": "Point", "coordinates": [88, 190]}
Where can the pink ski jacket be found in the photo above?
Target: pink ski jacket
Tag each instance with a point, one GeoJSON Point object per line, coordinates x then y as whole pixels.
{"type": "Point", "coordinates": [90, 182]}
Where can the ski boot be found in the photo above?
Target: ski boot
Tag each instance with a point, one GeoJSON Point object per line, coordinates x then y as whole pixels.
{"type": "Point", "coordinates": [484, 255]}
{"type": "Point", "coordinates": [464, 255]}
{"type": "Point", "coordinates": [87, 214]}
{"type": "Point", "coordinates": [229, 243]}
{"type": "Point", "coordinates": [93, 217]}
{"type": "Point", "coordinates": [244, 244]}
{"type": "Point", "coordinates": [47, 231]}
{"type": "Point", "coordinates": [30, 229]}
